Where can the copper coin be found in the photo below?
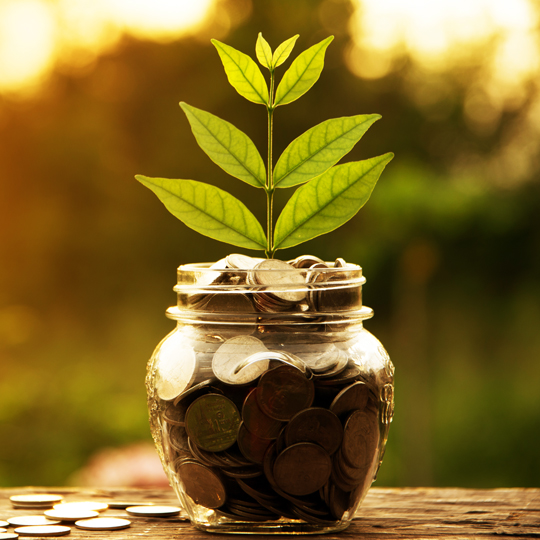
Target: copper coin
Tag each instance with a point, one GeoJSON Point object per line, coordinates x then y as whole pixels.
{"type": "Point", "coordinates": [284, 391]}
{"type": "Point", "coordinates": [174, 415]}
{"type": "Point", "coordinates": [202, 484]}
{"type": "Point", "coordinates": [256, 421]}
{"type": "Point", "coordinates": [316, 425]}
{"type": "Point", "coordinates": [302, 469]}
{"type": "Point", "coordinates": [360, 439]}
{"type": "Point", "coordinates": [354, 397]}
{"type": "Point", "coordinates": [251, 446]}
{"type": "Point", "coordinates": [212, 421]}
{"type": "Point", "coordinates": [178, 438]}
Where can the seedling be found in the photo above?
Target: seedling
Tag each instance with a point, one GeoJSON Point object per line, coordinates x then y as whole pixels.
{"type": "Point", "coordinates": [330, 194]}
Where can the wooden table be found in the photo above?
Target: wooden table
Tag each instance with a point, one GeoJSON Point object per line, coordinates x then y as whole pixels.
{"type": "Point", "coordinates": [418, 513]}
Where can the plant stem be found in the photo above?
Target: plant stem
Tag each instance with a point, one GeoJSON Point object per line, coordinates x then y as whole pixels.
{"type": "Point", "coordinates": [269, 188]}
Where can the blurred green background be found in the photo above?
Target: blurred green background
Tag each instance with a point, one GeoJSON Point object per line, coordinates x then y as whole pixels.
{"type": "Point", "coordinates": [449, 241]}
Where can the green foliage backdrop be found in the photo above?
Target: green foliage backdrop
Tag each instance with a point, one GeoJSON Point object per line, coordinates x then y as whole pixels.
{"type": "Point", "coordinates": [88, 256]}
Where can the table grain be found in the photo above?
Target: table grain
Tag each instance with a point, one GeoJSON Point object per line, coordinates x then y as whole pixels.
{"type": "Point", "coordinates": [387, 513]}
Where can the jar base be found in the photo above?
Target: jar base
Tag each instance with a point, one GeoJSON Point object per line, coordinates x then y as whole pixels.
{"type": "Point", "coordinates": [285, 526]}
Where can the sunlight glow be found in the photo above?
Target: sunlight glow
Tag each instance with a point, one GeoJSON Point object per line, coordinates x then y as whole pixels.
{"type": "Point", "coordinates": [37, 34]}
{"type": "Point", "coordinates": [26, 43]}
{"type": "Point", "coordinates": [439, 33]}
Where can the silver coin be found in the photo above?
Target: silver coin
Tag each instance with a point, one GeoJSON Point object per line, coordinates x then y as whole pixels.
{"type": "Point", "coordinates": [70, 514]}
{"type": "Point", "coordinates": [153, 511]}
{"type": "Point", "coordinates": [243, 262]}
{"type": "Point", "coordinates": [36, 499]}
{"type": "Point", "coordinates": [44, 530]}
{"type": "Point", "coordinates": [277, 274]}
{"type": "Point", "coordinates": [176, 366]}
{"type": "Point", "coordinates": [102, 524]}
{"type": "Point", "coordinates": [24, 521]}
{"type": "Point", "coordinates": [8, 535]}
{"type": "Point", "coordinates": [3, 523]}
{"type": "Point", "coordinates": [94, 506]}
{"type": "Point", "coordinates": [319, 357]}
{"type": "Point", "coordinates": [305, 261]}
{"type": "Point", "coordinates": [232, 354]}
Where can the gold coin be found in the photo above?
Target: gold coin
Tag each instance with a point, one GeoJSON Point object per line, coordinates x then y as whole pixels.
{"type": "Point", "coordinates": [102, 524]}
{"type": "Point", "coordinates": [45, 530]}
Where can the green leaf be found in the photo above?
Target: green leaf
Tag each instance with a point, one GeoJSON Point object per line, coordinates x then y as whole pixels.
{"type": "Point", "coordinates": [243, 73]}
{"type": "Point", "coordinates": [264, 52]}
{"type": "Point", "coordinates": [283, 51]}
{"type": "Point", "coordinates": [319, 148]}
{"type": "Point", "coordinates": [227, 146]}
{"type": "Point", "coordinates": [303, 73]}
{"type": "Point", "coordinates": [328, 201]}
{"type": "Point", "coordinates": [209, 211]}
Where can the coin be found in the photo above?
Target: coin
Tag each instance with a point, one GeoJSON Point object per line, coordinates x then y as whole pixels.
{"type": "Point", "coordinates": [235, 260]}
{"type": "Point", "coordinates": [319, 357]}
{"type": "Point", "coordinates": [305, 261]}
{"type": "Point", "coordinates": [3, 523]}
{"type": "Point", "coordinates": [176, 366]}
{"type": "Point", "coordinates": [316, 425]}
{"type": "Point", "coordinates": [360, 439]}
{"type": "Point", "coordinates": [154, 511]}
{"type": "Point", "coordinates": [256, 421]}
{"type": "Point", "coordinates": [212, 421]}
{"type": "Point", "coordinates": [122, 505]}
{"type": "Point", "coordinates": [232, 353]}
{"type": "Point", "coordinates": [95, 506]}
{"type": "Point", "coordinates": [286, 283]}
{"type": "Point", "coordinates": [353, 397]}
{"type": "Point", "coordinates": [251, 446]}
{"type": "Point", "coordinates": [8, 536]}
{"type": "Point", "coordinates": [2, 530]}
{"type": "Point", "coordinates": [302, 468]}
{"type": "Point", "coordinates": [44, 530]}
{"type": "Point", "coordinates": [174, 415]}
{"type": "Point", "coordinates": [36, 499]}
{"type": "Point", "coordinates": [70, 514]}
{"type": "Point", "coordinates": [202, 484]}
{"type": "Point", "coordinates": [284, 391]}
{"type": "Point", "coordinates": [103, 524]}
{"type": "Point", "coordinates": [23, 521]}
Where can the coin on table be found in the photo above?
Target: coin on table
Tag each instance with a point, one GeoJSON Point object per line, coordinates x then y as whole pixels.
{"type": "Point", "coordinates": [232, 353]}
{"type": "Point", "coordinates": [360, 439]}
{"type": "Point", "coordinates": [256, 420]}
{"type": "Point", "coordinates": [122, 505]}
{"type": "Point", "coordinates": [354, 397]}
{"type": "Point", "coordinates": [212, 422]}
{"type": "Point", "coordinates": [176, 366]}
{"type": "Point", "coordinates": [36, 499]}
{"type": "Point", "coordinates": [153, 511]}
{"type": "Point", "coordinates": [8, 536]}
{"type": "Point", "coordinates": [23, 521]}
{"type": "Point", "coordinates": [94, 506]}
{"type": "Point", "coordinates": [302, 468]}
{"type": "Point", "coordinates": [70, 514]}
{"type": "Point", "coordinates": [2, 530]}
{"type": "Point", "coordinates": [202, 484]}
{"type": "Point", "coordinates": [3, 523]}
{"type": "Point", "coordinates": [43, 530]}
{"type": "Point", "coordinates": [316, 425]}
{"type": "Point", "coordinates": [284, 391]}
{"type": "Point", "coordinates": [102, 524]}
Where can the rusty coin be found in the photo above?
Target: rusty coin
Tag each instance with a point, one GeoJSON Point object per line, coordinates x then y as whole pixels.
{"type": "Point", "coordinates": [212, 422]}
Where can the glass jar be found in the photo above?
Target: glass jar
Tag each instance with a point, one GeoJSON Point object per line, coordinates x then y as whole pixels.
{"type": "Point", "coordinates": [270, 403]}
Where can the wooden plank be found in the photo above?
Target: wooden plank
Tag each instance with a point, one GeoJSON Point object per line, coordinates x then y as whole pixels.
{"type": "Point", "coordinates": [420, 513]}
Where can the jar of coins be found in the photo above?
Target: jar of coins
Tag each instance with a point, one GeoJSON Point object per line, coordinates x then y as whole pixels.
{"type": "Point", "coordinates": [270, 403]}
